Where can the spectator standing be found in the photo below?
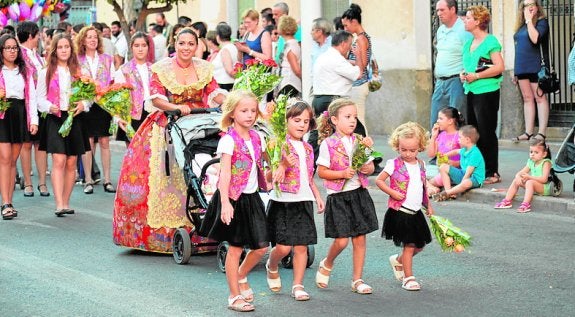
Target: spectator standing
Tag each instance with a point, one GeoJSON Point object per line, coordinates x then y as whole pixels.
{"type": "Point", "coordinates": [159, 42]}
{"type": "Point", "coordinates": [166, 27]}
{"type": "Point", "coordinates": [226, 59]}
{"type": "Point", "coordinates": [278, 10]}
{"type": "Point", "coordinates": [201, 31]}
{"type": "Point", "coordinates": [531, 38]}
{"type": "Point", "coordinates": [257, 42]}
{"type": "Point", "coordinates": [120, 42]}
{"type": "Point", "coordinates": [290, 65]}
{"type": "Point", "coordinates": [321, 30]}
{"type": "Point", "coordinates": [483, 65]}
{"type": "Point", "coordinates": [451, 36]}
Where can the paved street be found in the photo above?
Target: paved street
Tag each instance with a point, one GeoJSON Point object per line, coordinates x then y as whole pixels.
{"type": "Point", "coordinates": [519, 265]}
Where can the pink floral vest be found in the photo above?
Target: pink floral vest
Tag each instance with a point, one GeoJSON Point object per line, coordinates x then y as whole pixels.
{"type": "Point", "coordinates": [53, 93]}
{"type": "Point", "coordinates": [291, 183]}
{"type": "Point", "coordinates": [399, 180]}
{"type": "Point", "coordinates": [340, 161]}
{"type": "Point", "coordinates": [26, 94]}
{"type": "Point", "coordinates": [103, 75]}
{"type": "Point", "coordinates": [132, 76]}
{"type": "Point", "coordinates": [242, 163]}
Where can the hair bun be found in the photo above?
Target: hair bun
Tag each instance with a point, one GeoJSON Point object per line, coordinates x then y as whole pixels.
{"type": "Point", "coordinates": [355, 7]}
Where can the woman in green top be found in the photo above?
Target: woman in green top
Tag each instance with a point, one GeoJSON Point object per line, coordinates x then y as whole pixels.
{"type": "Point", "coordinates": [483, 65]}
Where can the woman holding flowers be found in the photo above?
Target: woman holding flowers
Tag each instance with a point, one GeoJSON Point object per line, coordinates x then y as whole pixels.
{"type": "Point", "coordinates": [99, 67]}
{"type": "Point", "coordinates": [136, 73]}
{"type": "Point", "coordinates": [54, 91]}
{"type": "Point", "coordinates": [149, 204]}
{"type": "Point", "coordinates": [18, 116]}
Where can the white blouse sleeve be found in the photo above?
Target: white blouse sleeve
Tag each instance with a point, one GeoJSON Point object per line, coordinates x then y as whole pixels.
{"type": "Point", "coordinates": [33, 101]}
{"type": "Point", "coordinates": [42, 93]}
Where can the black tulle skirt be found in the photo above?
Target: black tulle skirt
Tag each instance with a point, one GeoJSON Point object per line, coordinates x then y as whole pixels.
{"type": "Point", "coordinates": [248, 228]}
{"type": "Point", "coordinates": [14, 126]}
{"type": "Point", "coordinates": [349, 214]}
{"type": "Point", "coordinates": [405, 228]}
{"type": "Point", "coordinates": [73, 144]}
{"type": "Point", "coordinates": [291, 223]}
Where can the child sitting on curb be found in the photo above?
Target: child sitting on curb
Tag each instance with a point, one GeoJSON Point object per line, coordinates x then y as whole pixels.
{"type": "Point", "coordinates": [472, 171]}
{"type": "Point", "coordinates": [534, 177]}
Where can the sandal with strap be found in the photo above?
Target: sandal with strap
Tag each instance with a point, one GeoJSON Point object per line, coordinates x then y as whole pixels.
{"type": "Point", "coordinates": [238, 303]}
{"type": "Point", "coordinates": [359, 286]}
{"type": "Point", "coordinates": [496, 178]}
{"type": "Point", "coordinates": [443, 196]}
{"type": "Point", "coordinates": [28, 193]}
{"type": "Point", "coordinates": [88, 189]}
{"type": "Point", "coordinates": [322, 280]}
{"type": "Point", "coordinates": [409, 283]}
{"type": "Point", "coordinates": [504, 204]}
{"type": "Point", "coordinates": [247, 294]}
{"type": "Point", "coordinates": [299, 294]}
{"type": "Point", "coordinates": [519, 138]}
{"type": "Point", "coordinates": [399, 275]}
{"type": "Point", "coordinates": [45, 192]}
{"type": "Point", "coordinates": [524, 207]}
{"type": "Point", "coordinates": [7, 212]}
{"type": "Point", "coordinates": [274, 284]}
{"type": "Point", "coordinates": [108, 188]}
{"type": "Point", "coordinates": [540, 136]}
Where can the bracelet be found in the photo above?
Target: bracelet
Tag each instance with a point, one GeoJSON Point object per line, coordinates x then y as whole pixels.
{"type": "Point", "coordinates": [476, 76]}
{"type": "Point", "coordinates": [251, 53]}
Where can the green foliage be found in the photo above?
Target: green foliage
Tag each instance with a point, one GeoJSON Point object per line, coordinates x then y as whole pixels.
{"type": "Point", "coordinates": [449, 237]}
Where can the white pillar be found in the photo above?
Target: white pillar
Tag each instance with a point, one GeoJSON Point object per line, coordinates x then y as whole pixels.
{"type": "Point", "coordinates": [310, 10]}
{"type": "Point", "coordinates": [232, 13]}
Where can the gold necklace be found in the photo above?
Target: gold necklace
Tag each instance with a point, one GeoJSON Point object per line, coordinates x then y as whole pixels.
{"type": "Point", "coordinates": [184, 69]}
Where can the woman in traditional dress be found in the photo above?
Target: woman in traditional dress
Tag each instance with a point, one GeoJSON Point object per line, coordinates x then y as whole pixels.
{"type": "Point", "coordinates": [137, 73]}
{"type": "Point", "coordinates": [100, 67]}
{"type": "Point", "coordinates": [150, 205]}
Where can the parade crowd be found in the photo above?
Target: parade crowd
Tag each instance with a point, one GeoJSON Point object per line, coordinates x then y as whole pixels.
{"type": "Point", "coordinates": [185, 66]}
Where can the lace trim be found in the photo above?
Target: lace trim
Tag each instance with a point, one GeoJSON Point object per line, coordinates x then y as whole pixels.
{"type": "Point", "coordinates": [164, 69]}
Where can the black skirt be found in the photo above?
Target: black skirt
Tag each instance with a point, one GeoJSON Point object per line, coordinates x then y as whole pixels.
{"type": "Point", "coordinates": [14, 126]}
{"type": "Point", "coordinates": [121, 135]}
{"type": "Point", "coordinates": [97, 122]}
{"type": "Point", "coordinates": [248, 227]}
{"type": "Point", "coordinates": [404, 228]}
{"type": "Point", "coordinates": [291, 223]}
{"type": "Point", "coordinates": [73, 144]}
{"type": "Point", "coordinates": [349, 214]}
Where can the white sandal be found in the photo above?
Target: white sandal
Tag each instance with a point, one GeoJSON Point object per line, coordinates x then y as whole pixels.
{"type": "Point", "coordinates": [299, 294]}
{"type": "Point", "coordinates": [274, 284]}
{"type": "Point", "coordinates": [399, 275]}
{"type": "Point", "coordinates": [321, 278]}
{"type": "Point", "coordinates": [409, 283]}
{"type": "Point", "coordinates": [247, 294]}
{"type": "Point", "coordinates": [242, 306]}
{"type": "Point", "coordinates": [359, 286]}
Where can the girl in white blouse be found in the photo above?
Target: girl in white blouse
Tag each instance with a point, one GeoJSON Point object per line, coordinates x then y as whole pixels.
{"type": "Point", "coordinates": [17, 89]}
{"type": "Point", "coordinates": [54, 89]}
{"type": "Point", "coordinates": [137, 73]}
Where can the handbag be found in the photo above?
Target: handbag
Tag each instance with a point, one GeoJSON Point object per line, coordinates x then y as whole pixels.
{"type": "Point", "coordinates": [547, 77]}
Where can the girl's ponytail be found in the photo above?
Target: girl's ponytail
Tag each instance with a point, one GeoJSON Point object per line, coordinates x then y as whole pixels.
{"type": "Point", "coordinates": [325, 127]}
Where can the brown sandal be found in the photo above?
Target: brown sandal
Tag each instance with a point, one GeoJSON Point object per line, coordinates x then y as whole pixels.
{"type": "Point", "coordinates": [496, 178]}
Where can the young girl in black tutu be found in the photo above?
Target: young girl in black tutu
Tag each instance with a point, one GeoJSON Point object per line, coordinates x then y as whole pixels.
{"type": "Point", "coordinates": [54, 91]}
{"type": "Point", "coordinates": [290, 210]}
{"type": "Point", "coordinates": [404, 221]}
{"type": "Point", "coordinates": [349, 209]}
{"type": "Point", "coordinates": [236, 213]}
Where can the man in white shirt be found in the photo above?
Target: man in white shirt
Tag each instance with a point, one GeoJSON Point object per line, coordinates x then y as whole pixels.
{"type": "Point", "coordinates": [120, 42]}
{"type": "Point", "coordinates": [333, 77]}
{"type": "Point", "coordinates": [159, 42]}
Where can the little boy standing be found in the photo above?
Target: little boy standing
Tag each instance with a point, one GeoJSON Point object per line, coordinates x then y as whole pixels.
{"type": "Point", "coordinates": [472, 171]}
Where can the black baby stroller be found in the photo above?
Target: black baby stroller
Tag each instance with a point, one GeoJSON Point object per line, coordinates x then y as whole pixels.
{"type": "Point", "coordinates": [565, 160]}
{"type": "Point", "coordinates": [195, 140]}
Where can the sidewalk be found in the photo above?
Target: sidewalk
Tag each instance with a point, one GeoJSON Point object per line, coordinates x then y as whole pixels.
{"type": "Point", "coordinates": [512, 157]}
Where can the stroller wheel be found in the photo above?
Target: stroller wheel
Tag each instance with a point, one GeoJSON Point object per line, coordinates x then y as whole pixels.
{"type": "Point", "coordinates": [222, 254]}
{"type": "Point", "coordinates": [557, 188]}
{"type": "Point", "coordinates": [287, 261]}
{"type": "Point", "coordinates": [181, 246]}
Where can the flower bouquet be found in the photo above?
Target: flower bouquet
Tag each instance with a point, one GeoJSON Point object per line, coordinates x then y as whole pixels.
{"type": "Point", "coordinates": [277, 140]}
{"type": "Point", "coordinates": [117, 101]}
{"type": "Point", "coordinates": [450, 238]}
{"type": "Point", "coordinates": [362, 152]}
{"type": "Point", "coordinates": [441, 159]}
{"type": "Point", "coordinates": [83, 88]}
{"type": "Point", "coordinates": [4, 105]}
{"type": "Point", "coordinates": [257, 77]}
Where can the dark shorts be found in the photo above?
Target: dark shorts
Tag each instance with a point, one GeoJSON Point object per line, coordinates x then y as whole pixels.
{"type": "Point", "coordinates": [533, 78]}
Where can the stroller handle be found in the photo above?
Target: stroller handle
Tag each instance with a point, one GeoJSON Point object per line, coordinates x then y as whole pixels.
{"type": "Point", "coordinates": [177, 112]}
